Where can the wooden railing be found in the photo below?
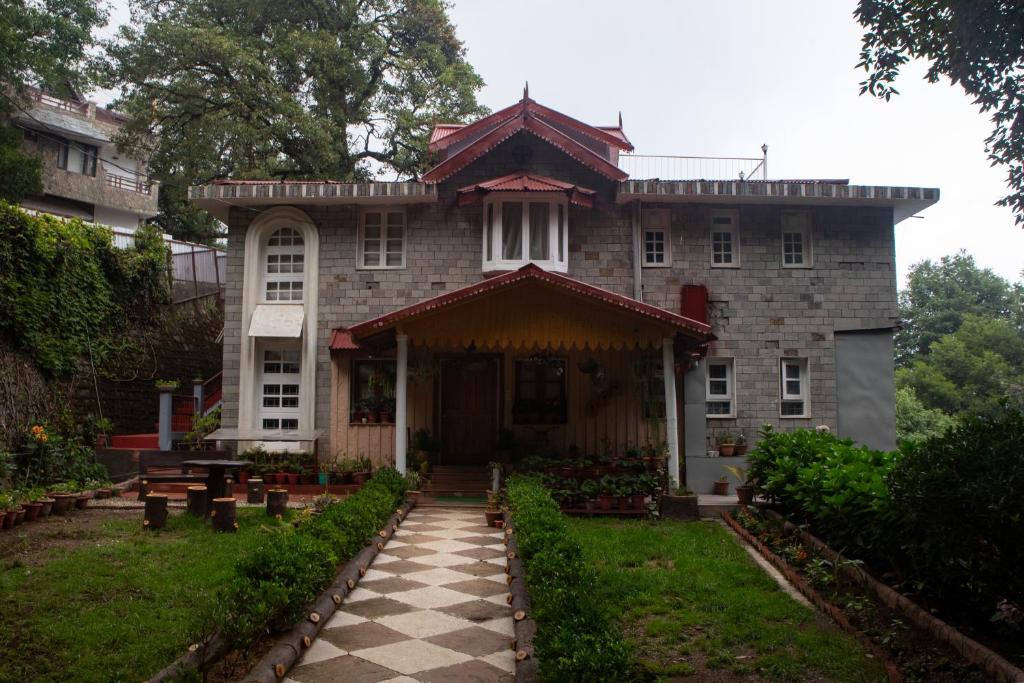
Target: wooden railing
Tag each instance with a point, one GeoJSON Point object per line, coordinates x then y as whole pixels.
{"type": "Point", "coordinates": [58, 103]}
{"type": "Point", "coordinates": [141, 186]}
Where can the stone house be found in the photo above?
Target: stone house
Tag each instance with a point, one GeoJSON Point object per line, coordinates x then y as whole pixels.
{"type": "Point", "coordinates": [84, 175]}
{"type": "Point", "coordinates": [529, 287]}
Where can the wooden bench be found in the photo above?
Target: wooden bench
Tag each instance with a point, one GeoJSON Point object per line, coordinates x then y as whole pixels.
{"type": "Point", "coordinates": [170, 460]}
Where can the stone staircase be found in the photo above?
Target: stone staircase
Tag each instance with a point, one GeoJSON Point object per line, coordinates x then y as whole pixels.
{"type": "Point", "coordinates": [455, 480]}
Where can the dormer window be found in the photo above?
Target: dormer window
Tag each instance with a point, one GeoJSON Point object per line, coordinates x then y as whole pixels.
{"type": "Point", "coordinates": [526, 228]}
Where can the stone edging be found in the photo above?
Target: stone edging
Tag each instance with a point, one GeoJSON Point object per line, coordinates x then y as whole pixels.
{"type": "Point", "coordinates": [289, 647]}
{"type": "Point", "coordinates": [994, 665]}
{"type": "Point", "coordinates": [523, 624]}
{"type": "Point", "coordinates": [798, 582]}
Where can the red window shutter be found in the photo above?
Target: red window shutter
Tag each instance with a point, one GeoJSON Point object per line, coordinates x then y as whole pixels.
{"type": "Point", "coordinates": [694, 302]}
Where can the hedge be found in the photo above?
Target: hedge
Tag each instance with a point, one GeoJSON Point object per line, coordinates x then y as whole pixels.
{"type": "Point", "coordinates": [286, 571]}
{"type": "Point", "coordinates": [575, 640]}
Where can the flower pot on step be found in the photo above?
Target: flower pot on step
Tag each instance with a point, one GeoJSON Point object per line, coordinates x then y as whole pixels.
{"type": "Point", "coordinates": [47, 506]}
{"type": "Point", "coordinates": [726, 450]}
{"type": "Point", "coordinates": [721, 488]}
{"type": "Point", "coordinates": [82, 500]}
{"type": "Point", "coordinates": [62, 502]}
{"type": "Point", "coordinates": [8, 519]}
{"type": "Point", "coordinates": [745, 494]}
{"type": "Point", "coordinates": [492, 516]}
{"type": "Point", "coordinates": [19, 516]}
{"type": "Point", "coordinates": [293, 478]}
{"type": "Point", "coordinates": [413, 496]}
{"type": "Point", "coordinates": [32, 511]}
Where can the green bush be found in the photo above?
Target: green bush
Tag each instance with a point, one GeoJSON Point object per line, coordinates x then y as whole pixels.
{"type": "Point", "coordinates": [959, 499]}
{"type": "Point", "coordinates": [575, 640]}
{"type": "Point", "coordinates": [276, 582]}
{"type": "Point", "coordinates": [837, 486]}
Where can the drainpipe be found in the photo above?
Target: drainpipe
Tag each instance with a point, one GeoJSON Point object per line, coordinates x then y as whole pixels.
{"type": "Point", "coordinates": [638, 287]}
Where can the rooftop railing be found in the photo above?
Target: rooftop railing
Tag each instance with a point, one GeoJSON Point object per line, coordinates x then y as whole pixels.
{"type": "Point", "coordinates": [61, 104]}
{"type": "Point", "coordinates": [662, 167]}
{"type": "Point", "coordinates": [139, 185]}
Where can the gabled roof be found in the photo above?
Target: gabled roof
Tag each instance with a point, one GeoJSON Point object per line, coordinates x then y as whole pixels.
{"type": "Point", "coordinates": [347, 339]}
{"type": "Point", "coordinates": [477, 138]}
{"type": "Point", "coordinates": [526, 182]}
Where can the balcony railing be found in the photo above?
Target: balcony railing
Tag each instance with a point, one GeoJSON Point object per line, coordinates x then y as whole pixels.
{"type": "Point", "coordinates": [649, 167]}
{"type": "Point", "coordinates": [141, 186]}
{"type": "Point", "coordinates": [58, 103]}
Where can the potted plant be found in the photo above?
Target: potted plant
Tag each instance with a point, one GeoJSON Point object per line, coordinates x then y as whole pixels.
{"type": "Point", "coordinates": [326, 472]}
{"type": "Point", "coordinates": [721, 487]}
{"type": "Point", "coordinates": [624, 489]}
{"type": "Point", "coordinates": [606, 493]}
{"type": "Point", "coordinates": [7, 510]}
{"type": "Point", "coordinates": [589, 489]}
{"type": "Point", "coordinates": [38, 495]}
{"type": "Point", "coordinates": [372, 410]}
{"type": "Point", "coordinates": [294, 470]}
{"type": "Point", "coordinates": [493, 512]}
{"type": "Point", "coordinates": [726, 445]}
{"type": "Point", "coordinates": [741, 444]}
{"type": "Point", "coordinates": [412, 485]}
{"type": "Point", "coordinates": [644, 485]}
{"type": "Point", "coordinates": [744, 491]}
{"type": "Point", "coordinates": [82, 498]}
{"type": "Point", "coordinates": [363, 470]}
{"type": "Point", "coordinates": [167, 384]}
{"type": "Point", "coordinates": [678, 502]}
{"type": "Point", "coordinates": [360, 415]}
{"type": "Point", "coordinates": [63, 498]}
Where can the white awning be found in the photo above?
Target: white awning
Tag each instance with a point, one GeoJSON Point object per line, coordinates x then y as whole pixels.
{"type": "Point", "coordinates": [277, 320]}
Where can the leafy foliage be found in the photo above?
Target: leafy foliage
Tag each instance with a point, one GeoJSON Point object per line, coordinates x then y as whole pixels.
{"type": "Point", "coordinates": [978, 45]}
{"type": "Point", "coordinates": [64, 287]}
{"type": "Point", "coordinates": [959, 501]}
{"type": "Point", "coordinates": [289, 90]}
{"type": "Point", "coordinates": [915, 422]}
{"type": "Point", "coordinates": [574, 641]}
{"type": "Point", "coordinates": [818, 477]}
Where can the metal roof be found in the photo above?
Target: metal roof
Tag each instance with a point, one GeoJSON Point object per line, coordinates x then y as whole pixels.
{"type": "Point", "coordinates": [66, 125]}
{"type": "Point", "coordinates": [526, 182]}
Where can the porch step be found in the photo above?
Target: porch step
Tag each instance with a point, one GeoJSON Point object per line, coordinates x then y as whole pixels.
{"type": "Point", "coordinates": [456, 480]}
{"type": "Point", "coordinates": [142, 441]}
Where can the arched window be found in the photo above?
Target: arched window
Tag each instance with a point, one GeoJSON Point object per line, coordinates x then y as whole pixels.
{"type": "Point", "coordinates": [283, 266]}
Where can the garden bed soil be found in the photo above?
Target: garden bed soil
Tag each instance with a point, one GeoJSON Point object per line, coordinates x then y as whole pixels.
{"type": "Point", "coordinates": [918, 656]}
{"type": "Point", "coordinates": [30, 544]}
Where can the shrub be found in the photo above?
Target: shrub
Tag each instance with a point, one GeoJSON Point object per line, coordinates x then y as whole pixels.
{"type": "Point", "coordinates": [574, 639]}
{"type": "Point", "coordinates": [959, 499]}
{"type": "Point", "coordinates": [839, 487]}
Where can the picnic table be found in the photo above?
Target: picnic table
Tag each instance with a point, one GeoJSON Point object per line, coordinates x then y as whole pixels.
{"type": "Point", "coordinates": [216, 469]}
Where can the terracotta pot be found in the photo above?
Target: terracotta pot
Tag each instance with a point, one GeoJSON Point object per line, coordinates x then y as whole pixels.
{"type": "Point", "coordinates": [638, 501]}
{"type": "Point", "coordinates": [492, 516]}
{"type": "Point", "coordinates": [373, 418]}
{"type": "Point", "coordinates": [624, 502]}
{"type": "Point", "coordinates": [726, 450]}
{"type": "Point", "coordinates": [32, 511]}
{"type": "Point", "coordinates": [721, 488]}
{"type": "Point", "coordinates": [19, 516]}
{"type": "Point", "coordinates": [62, 502]}
{"type": "Point", "coordinates": [344, 477]}
{"type": "Point", "coordinates": [269, 478]}
{"type": "Point", "coordinates": [360, 477]}
{"type": "Point", "coordinates": [604, 501]}
{"type": "Point", "coordinates": [243, 476]}
{"type": "Point", "coordinates": [82, 501]}
{"type": "Point", "coordinates": [8, 519]}
{"type": "Point", "coordinates": [293, 478]}
{"type": "Point", "coordinates": [412, 495]}
{"type": "Point", "coordinates": [589, 504]}
{"type": "Point", "coordinates": [282, 477]}
{"type": "Point", "coordinates": [745, 494]}
{"type": "Point", "coordinates": [566, 471]}
{"type": "Point", "coordinates": [307, 478]}
{"type": "Point", "coordinates": [499, 523]}
{"type": "Point", "coordinates": [741, 449]}
{"type": "Point", "coordinates": [47, 506]}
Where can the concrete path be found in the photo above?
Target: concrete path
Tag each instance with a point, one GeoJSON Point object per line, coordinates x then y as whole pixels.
{"type": "Point", "coordinates": [431, 608]}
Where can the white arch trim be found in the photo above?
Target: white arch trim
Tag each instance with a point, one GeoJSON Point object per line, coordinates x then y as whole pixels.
{"type": "Point", "coordinates": [256, 237]}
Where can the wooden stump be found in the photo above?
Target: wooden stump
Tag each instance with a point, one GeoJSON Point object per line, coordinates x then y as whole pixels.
{"type": "Point", "coordinates": [277, 502]}
{"type": "Point", "coordinates": [197, 502]}
{"type": "Point", "coordinates": [223, 515]}
{"type": "Point", "coordinates": [254, 491]}
{"type": "Point", "coordinates": [155, 516]}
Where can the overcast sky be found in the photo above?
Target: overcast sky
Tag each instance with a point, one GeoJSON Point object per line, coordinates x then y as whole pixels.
{"type": "Point", "coordinates": [721, 78]}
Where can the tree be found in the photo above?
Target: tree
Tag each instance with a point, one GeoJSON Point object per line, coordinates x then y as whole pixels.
{"type": "Point", "coordinates": [976, 43]}
{"type": "Point", "coordinates": [969, 372]}
{"type": "Point", "coordinates": [914, 421]}
{"type": "Point", "coordinates": [268, 89]}
{"type": "Point", "coordinates": [43, 43]}
{"type": "Point", "coordinates": [939, 295]}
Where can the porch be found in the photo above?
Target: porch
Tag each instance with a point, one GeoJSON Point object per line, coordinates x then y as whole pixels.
{"type": "Point", "coordinates": [528, 362]}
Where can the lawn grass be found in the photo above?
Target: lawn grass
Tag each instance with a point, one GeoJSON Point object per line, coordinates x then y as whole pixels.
{"type": "Point", "coordinates": [120, 607]}
{"type": "Point", "coordinates": [691, 601]}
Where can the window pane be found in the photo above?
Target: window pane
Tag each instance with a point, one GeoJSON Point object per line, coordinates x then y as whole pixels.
{"type": "Point", "coordinates": [540, 242]}
{"type": "Point", "coordinates": [719, 407]}
{"type": "Point", "coordinates": [792, 371]}
{"type": "Point", "coordinates": [271, 402]}
{"type": "Point", "coordinates": [654, 246]}
{"type": "Point", "coordinates": [717, 370]}
{"type": "Point", "coordinates": [271, 368]}
{"type": "Point", "coordinates": [394, 259]}
{"type": "Point", "coordinates": [718, 387]}
{"type": "Point", "coordinates": [792, 387]}
{"type": "Point", "coordinates": [270, 424]}
{"type": "Point", "coordinates": [290, 368]}
{"type": "Point", "coordinates": [291, 424]}
{"type": "Point", "coordinates": [793, 408]}
{"type": "Point", "coordinates": [511, 231]}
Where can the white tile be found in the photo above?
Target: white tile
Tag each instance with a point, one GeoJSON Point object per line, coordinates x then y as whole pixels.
{"type": "Point", "coordinates": [503, 659]}
{"type": "Point", "coordinates": [499, 577]}
{"type": "Point", "coordinates": [438, 577]}
{"type": "Point", "coordinates": [384, 558]}
{"type": "Point", "coordinates": [395, 544]}
{"type": "Point", "coordinates": [454, 532]}
{"type": "Point", "coordinates": [319, 651]}
{"type": "Point", "coordinates": [400, 679]}
{"type": "Point", "coordinates": [500, 561]}
{"type": "Point", "coordinates": [410, 656]}
{"type": "Point", "coordinates": [502, 625]}
{"type": "Point", "coordinates": [439, 560]}
{"type": "Point", "coordinates": [499, 599]}
{"type": "Point", "coordinates": [496, 546]}
{"type": "Point", "coordinates": [374, 574]}
{"type": "Point", "coordinates": [447, 546]}
{"type": "Point", "coordinates": [359, 594]}
{"type": "Point", "coordinates": [425, 623]}
{"type": "Point", "coordinates": [344, 619]}
{"type": "Point", "coordinates": [431, 597]}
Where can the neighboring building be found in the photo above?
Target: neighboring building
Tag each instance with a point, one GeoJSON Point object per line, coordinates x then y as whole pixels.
{"type": "Point", "coordinates": [84, 175]}
{"type": "Point", "coordinates": [528, 283]}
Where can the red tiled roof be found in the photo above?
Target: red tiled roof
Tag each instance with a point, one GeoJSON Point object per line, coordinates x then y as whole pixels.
{"type": "Point", "coordinates": [374, 326]}
{"type": "Point", "coordinates": [443, 130]}
{"type": "Point", "coordinates": [526, 182]}
{"type": "Point", "coordinates": [341, 340]}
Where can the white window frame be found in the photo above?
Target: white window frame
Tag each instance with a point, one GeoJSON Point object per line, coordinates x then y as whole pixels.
{"type": "Point", "coordinates": [730, 381]}
{"type": "Point", "coordinates": [278, 251]}
{"type": "Point", "coordinates": [385, 224]}
{"type": "Point", "coordinates": [807, 250]}
{"type": "Point", "coordinates": [734, 232]}
{"type": "Point", "coordinates": [803, 396]}
{"type": "Point", "coordinates": [280, 379]}
{"type": "Point", "coordinates": [665, 229]}
{"type": "Point", "coordinates": [557, 237]}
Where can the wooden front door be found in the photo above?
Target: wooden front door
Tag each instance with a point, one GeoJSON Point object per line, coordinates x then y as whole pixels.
{"type": "Point", "coordinates": [469, 409]}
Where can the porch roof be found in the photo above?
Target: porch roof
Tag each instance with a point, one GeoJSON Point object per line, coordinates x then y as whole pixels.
{"type": "Point", "coordinates": [526, 182]}
{"type": "Point", "coordinates": [527, 308]}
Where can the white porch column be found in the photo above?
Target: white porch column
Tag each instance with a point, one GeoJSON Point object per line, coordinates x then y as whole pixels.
{"type": "Point", "coordinates": [668, 361]}
{"type": "Point", "coordinates": [401, 380]}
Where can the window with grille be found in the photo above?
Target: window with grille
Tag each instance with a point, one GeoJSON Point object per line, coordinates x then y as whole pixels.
{"type": "Point", "coordinates": [284, 264]}
{"type": "Point", "coordinates": [279, 388]}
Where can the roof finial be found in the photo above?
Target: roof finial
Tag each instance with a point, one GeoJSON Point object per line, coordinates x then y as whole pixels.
{"type": "Point", "coordinates": [526, 91]}
{"type": "Point", "coordinates": [620, 119]}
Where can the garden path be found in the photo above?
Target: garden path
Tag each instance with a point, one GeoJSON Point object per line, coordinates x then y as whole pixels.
{"type": "Point", "coordinates": [430, 608]}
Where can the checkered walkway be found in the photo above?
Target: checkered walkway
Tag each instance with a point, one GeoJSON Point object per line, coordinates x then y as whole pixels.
{"type": "Point", "coordinates": [431, 608]}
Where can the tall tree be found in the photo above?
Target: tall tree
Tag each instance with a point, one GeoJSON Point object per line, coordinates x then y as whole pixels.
{"type": "Point", "coordinates": [939, 295]}
{"type": "Point", "coordinates": [269, 89]}
{"type": "Point", "coordinates": [976, 43]}
{"type": "Point", "coordinates": [43, 43]}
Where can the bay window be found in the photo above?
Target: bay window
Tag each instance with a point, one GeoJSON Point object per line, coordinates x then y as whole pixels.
{"type": "Point", "coordinates": [523, 229]}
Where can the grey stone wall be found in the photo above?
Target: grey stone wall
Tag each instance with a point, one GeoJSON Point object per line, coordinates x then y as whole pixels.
{"type": "Point", "coordinates": [759, 311]}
